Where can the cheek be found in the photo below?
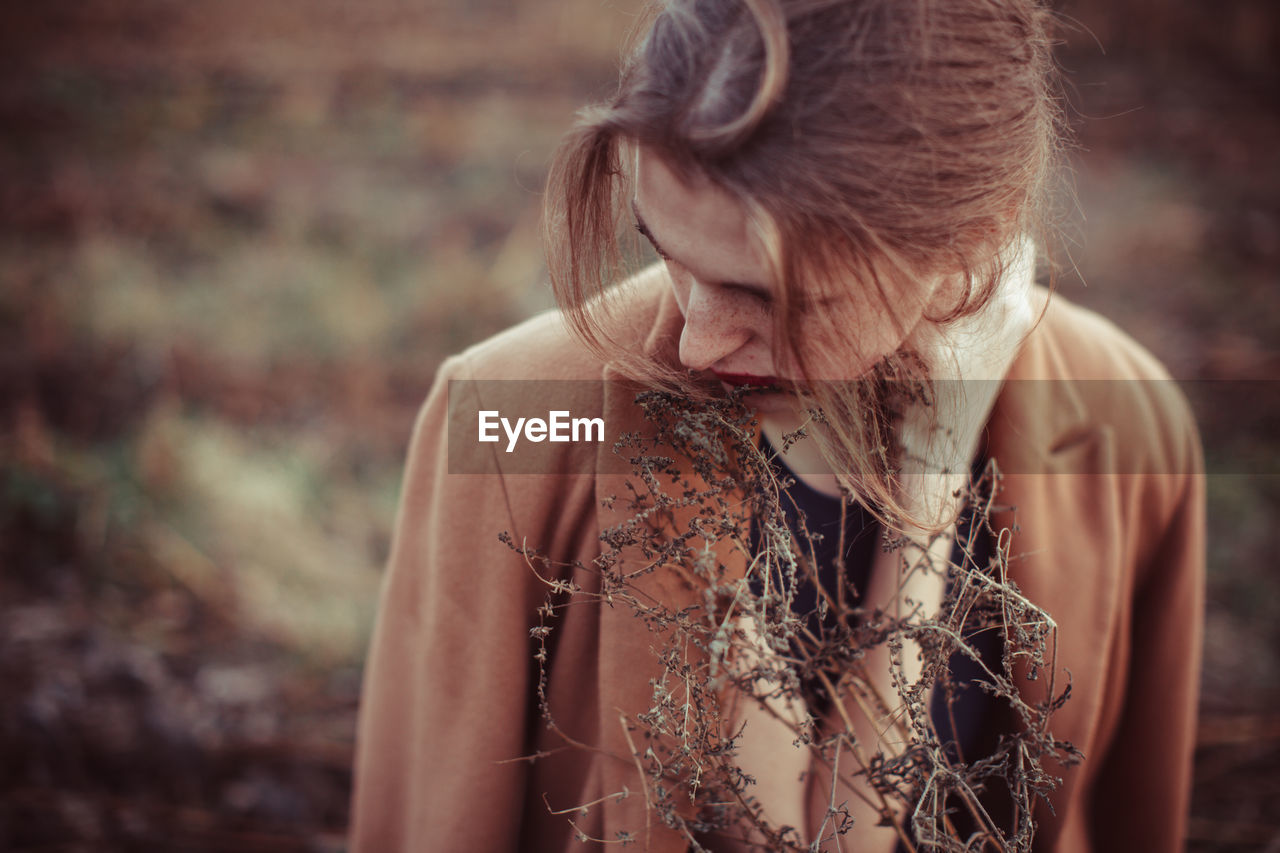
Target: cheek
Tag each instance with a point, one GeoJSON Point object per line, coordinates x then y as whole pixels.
{"type": "Point", "coordinates": [846, 345]}
{"type": "Point", "coordinates": [852, 331]}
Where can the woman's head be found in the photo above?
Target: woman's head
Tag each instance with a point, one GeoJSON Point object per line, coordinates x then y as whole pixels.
{"type": "Point", "coordinates": [876, 155]}
{"type": "Point", "coordinates": [728, 291]}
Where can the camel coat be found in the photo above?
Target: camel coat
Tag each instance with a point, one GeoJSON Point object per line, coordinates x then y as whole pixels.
{"type": "Point", "coordinates": [1103, 468]}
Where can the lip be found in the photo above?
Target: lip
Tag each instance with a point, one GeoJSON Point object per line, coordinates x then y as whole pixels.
{"type": "Point", "coordinates": [745, 379]}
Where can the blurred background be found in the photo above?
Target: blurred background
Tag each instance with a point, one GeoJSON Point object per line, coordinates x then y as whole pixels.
{"type": "Point", "coordinates": [236, 239]}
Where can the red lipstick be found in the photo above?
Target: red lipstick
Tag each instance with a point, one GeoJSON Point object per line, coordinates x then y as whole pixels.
{"type": "Point", "coordinates": [745, 379]}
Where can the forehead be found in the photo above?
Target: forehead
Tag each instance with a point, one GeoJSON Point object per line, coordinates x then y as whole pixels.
{"type": "Point", "coordinates": [698, 224]}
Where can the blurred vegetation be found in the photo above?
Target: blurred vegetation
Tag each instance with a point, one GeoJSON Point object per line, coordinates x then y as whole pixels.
{"type": "Point", "coordinates": [237, 238]}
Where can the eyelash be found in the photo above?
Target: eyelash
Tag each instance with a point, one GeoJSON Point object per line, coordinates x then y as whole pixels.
{"type": "Point", "coordinates": [641, 229]}
{"type": "Point", "coordinates": [761, 299]}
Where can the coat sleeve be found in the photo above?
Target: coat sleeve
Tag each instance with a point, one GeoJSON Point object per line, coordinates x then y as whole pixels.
{"type": "Point", "coordinates": [446, 685]}
{"type": "Point", "coordinates": [1142, 798]}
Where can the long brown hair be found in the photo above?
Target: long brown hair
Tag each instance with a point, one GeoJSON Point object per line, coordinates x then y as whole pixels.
{"type": "Point", "coordinates": [914, 136]}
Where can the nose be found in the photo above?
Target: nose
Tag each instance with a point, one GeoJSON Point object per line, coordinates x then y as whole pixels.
{"type": "Point", "coordinates": [713, 329]}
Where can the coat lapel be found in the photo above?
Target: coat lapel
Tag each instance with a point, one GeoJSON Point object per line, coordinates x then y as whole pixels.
{"type": "Point", "coordinates": [1062, 504]}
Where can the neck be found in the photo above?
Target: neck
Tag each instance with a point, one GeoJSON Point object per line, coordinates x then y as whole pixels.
{"type": "Point", "coordinates": [806, 463]}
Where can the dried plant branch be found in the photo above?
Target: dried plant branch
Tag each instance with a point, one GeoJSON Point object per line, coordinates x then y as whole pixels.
{"type": "Point", "coordinates": [699, 482]}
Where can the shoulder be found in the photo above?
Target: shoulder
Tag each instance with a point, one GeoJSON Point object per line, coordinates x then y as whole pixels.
{"type": "Point", "coordinates": [1112, 382]}
{"type": "Point", "coordinates": [1084, 345]}
{"type": "Point", "coordinates": [536, 399]}
{"type": "Point", "coordinates": [1083, 397]}
{"type": "Point", "coordinates": [1098, 354]}
{"type": "Point", "coordinates": [1100, 403]}
{"type": "Point", "coordinates": [539, 348]}
{"type": "Point", "coordinates": [545, 347]}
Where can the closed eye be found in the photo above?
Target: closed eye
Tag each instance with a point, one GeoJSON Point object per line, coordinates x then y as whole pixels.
{"type": "Point", "coordinates": [761, 296]}
{"type": "Point", "coordinates": [757, 292]}
{"type": "Point", "coordinates": [643, 229]}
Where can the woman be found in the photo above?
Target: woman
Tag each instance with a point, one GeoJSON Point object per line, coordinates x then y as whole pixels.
{"type": "Point", "coordinates": [841, 195]}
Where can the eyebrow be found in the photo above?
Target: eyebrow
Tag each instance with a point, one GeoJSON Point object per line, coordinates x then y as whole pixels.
{"type": "Point", "coordinates": [758, 290]}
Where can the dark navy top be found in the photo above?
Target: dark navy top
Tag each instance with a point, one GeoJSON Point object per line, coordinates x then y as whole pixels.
{"type": "Point", "coordinates": [974, 711]}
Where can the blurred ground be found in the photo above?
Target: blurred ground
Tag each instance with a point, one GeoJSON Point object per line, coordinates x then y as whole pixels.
{"type": "Point", "coordinates": [237, 238]}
